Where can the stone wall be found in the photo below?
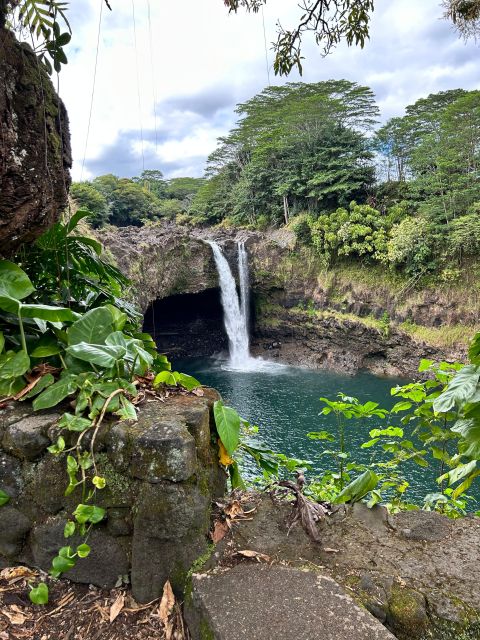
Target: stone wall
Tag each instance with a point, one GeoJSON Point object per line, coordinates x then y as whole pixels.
{"type": "Point", "coordinates": [162, 473]}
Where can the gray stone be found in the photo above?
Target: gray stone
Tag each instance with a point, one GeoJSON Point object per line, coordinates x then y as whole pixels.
{"type": "Point", "coordinates": [106, 562]}
{"type": "Point", "coordinates": [10, 475]}
{"type": "Point", "coordinates": [27, 438]}
{"type": "Point", "coordinates": [422, 525]}
{"type": "Point", "coordinates": [119, 522]}
{"type": "Point", "coordinates": [258, 602]}
{"type": "Point", "coordinates": [170, 512]}
{"type": "Point", "coordinates": [375, 519]}
{"type": "Point", "coordinates": [169, 534]}
{"type": "Point", "coordinates": [153, 449]}
{"type": "Point", "coordinates": [14, 526]}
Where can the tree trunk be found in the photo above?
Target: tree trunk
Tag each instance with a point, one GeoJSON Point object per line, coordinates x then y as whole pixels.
{"type": "Point", "coordinates": [35, 154]}
{"type": "Point", "coordinates": [286, 211]}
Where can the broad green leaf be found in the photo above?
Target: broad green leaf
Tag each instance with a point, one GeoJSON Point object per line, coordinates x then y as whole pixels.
{"type": "Point", "coordinates": [119, 318]}
{"type": "Point", "coordinates": [60, 564]}
{"type": "Point", "coordinates": [9, 304]}
{"type": "Point", "coordinates": [391, 432]}
{"type": "Point", "coordinates": [69, 529]}
{"type": "Point", "coordinates": [4, 498]}
{"type": "Point", "coordinates": [14, 366]}
{"type": "Point", "coordinates": [75, 219]}
{"type": "Point", "coordinates": [55, 393]}
{"type": "Point", "coordinates": [14, 282]}
{"type": "Point", "coordinates": [469, 429]}
{"type": "Point", "coordinates": [474, 350]}
{"type": "Point", "coordinates": [90, 242]}
{"type": "Point", "coordinates": [92, 328]}
{"type": "Point", "coordinates": [47, 346]}
{"type": "Point", "coordinates": [102, 355]}
{"type": "Point", "coordinates": [187, 382]}
{"type": "Point", "coordinates": [88, 513]}
{"type": "Point", "coordinates": [58, 447]}
{"type": "Point", "coordinates": [370, 443]}
{"type": "Point", "coordinates": [2, 341]}
{"type": "Point", "coordinates": [117, 339]}
{"type": "Point", "coordinates": [321, 435]}
{"type": "Point", "coordinates": [39, 594]}
{"type": "Point", "coordinates": [44, 382]}
{"type": "Point", "coordinates": [454, 475]}
{"type": "Point", "coordinates": [401, 406]}
{"type": "Point", "coordinates": [358, 488]}
{"type": "Point", "coordinates": [425, 365]}
{"type": "Point", "coordinates": [127, 410]}
{"type": "Point", "coordinates": [462, 386]}
{"type": "Point", "coordinates": [227, 422]}
{"type": "Point", "coordinates": [11, 387]}
{"type": "Point", "coordinates": [47, 312]}
{"type": "Point", "coordinates": [465, 485]}
{"type": "Point", "coordinates": [235, 477]}
{"type": "Point", "coordinates": [83, 550]}
{"type": "Point", "coordinates": [74, 423]}
{"type": "Point", "coordinates": [165, 377]}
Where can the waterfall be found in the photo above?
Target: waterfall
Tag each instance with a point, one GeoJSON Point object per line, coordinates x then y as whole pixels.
{"type": "Point", "coordinates": [235, 310]}
{"type": "Point", "coordinates": [244, 283]}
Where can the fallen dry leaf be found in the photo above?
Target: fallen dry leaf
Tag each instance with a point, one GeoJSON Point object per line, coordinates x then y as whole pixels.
{"type": "Point", "coordinates": [117, 606]}
{"type": "Point", "coordinates": [254, 554]}
{"type": "Point", "coordinates": [234, 509]}
{"type": "Point", "coordinates": [328, 550]}
{"type": "Point", "coordinates": [198, 392]}
{"type": "Point", "coordinates": [12, 574]}
{"type": "Point", "coordinates": [220, 530]}
{"type": "Point", "coordinates": [167, 603]}
{"type": "Point", "coordinates": [14, 615]}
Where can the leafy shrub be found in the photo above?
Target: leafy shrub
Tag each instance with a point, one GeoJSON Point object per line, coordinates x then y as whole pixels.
{"type": "Point", "coordinates": [465, 233]}
{"type": "Point", "coordinates": [410, 245]}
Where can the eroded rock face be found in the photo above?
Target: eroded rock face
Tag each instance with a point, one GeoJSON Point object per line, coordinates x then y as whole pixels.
{"type": "Point", "coordinates": [35, 155]}
{"type": "Point", "coordinates": [302, 314]}
{"type": "Point", "coordinates": [161, 475]}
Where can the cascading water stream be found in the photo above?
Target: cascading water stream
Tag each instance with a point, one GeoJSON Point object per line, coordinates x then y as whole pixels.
{"type": "Point", "coordinates": [244, 283]}
{"type": "Point", "coordinates": [235, 309]}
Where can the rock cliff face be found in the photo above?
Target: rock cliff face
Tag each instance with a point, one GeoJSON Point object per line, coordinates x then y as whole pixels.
{"type": "Point", "coordinates": [342, 318]}
{"type": "Point", "coordinates": [35, 154]}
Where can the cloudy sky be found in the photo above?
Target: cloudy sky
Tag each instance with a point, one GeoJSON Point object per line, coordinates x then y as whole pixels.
{"type": "Point", "coordinates": [177, 89]}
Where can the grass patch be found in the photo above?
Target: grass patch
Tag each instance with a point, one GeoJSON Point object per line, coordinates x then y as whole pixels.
{"type": "Point", "coordinates": [446, 337]}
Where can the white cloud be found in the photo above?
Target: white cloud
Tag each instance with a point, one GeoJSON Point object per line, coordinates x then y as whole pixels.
{"type": "Point", "coordinates": [204, 61]}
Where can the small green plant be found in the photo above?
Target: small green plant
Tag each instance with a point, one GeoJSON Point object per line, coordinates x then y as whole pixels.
{"type": "Point", "coordinates": [94, 356]}
{"type": "Point", "coordinates": [385, 324]}
{"type": "Point", "coordinates": [236, 439]}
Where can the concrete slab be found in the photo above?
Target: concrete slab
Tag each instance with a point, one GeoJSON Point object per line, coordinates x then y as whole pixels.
{"type": "Point", "coordinates": [260, 602]}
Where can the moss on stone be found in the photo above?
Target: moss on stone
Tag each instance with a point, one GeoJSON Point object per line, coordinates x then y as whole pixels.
{"type": "Point", "coordinates": [205, 630]}
{"type": "Point", "coordinates": [407, 613]}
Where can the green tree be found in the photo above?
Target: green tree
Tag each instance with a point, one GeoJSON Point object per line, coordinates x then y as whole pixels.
{"type": "Point", "coordinates": [88, 197]}
{"type": "Point", "coordinates": [297, 147]}
{"type": "Point", "coordinates": [130, 203]}
{"type": "Point", "coordinates": [152, 180]}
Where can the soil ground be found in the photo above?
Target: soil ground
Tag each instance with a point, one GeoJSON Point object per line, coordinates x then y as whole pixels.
{"type": "Point", "coordinates": [77, 612]}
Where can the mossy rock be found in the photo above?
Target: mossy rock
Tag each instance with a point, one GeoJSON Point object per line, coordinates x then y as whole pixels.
{"type": "Point", "coordinates": [407, 613]}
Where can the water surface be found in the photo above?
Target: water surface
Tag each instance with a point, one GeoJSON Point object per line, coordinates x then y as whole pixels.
{"type": "Point", "coordinates": [284, 402]}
